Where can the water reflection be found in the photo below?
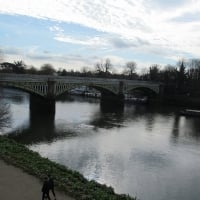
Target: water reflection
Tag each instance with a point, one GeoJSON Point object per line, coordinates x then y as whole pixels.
{"type": "Point", "coordinates": [148, 151]}
{"type": "Point", "coordinates": [193, 128]}
{"type": "Point", "coordinates": [4, 115]}
{"type": "Point", "coordinates": [41, 128]}
{"type": "Point", "coordinates": [175, 128]}
{"type": "Point", "coordinates": [72, 98]}
{"type": "Point", "coordinates": [108, 117]}
{"type": "Point", "coordinates": [187, 128]}
{"type": "Point", "coordinates": [13, 95]}
{"type": "Point", "coordinates": [45, 128]}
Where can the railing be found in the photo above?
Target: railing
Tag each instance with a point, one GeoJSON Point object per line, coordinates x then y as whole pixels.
{"type": "Point", "coordinates": [71, 79]}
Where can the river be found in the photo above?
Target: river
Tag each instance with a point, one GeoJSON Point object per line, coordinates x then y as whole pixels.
{"type": "Point", "coordinates": [146, 151]}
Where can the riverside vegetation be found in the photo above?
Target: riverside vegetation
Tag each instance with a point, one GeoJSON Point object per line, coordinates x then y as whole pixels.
{"type": "Point", "coordinates": [69, 181]}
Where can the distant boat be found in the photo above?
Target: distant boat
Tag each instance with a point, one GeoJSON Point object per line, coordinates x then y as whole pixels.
{"type": "Point", "coordinates": [189, 112]}
{"type": "Point", "coordinates": [84, 91]}
{"type": "Point", "coordinates": [143, 100]}
{"type": "Point", "coordinates": [77, 91]}
{"type": "Point", "coordinates": [92, 94]}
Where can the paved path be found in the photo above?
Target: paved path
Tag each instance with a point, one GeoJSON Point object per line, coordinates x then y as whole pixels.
{"type": "Point", "coordinates": [16, 184]}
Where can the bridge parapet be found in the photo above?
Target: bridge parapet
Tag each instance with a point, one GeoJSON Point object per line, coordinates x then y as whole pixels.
{"type": "Point", "coordinates": [52, 86]}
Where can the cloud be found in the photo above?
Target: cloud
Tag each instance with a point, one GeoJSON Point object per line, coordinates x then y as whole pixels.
{"type": "Point", "coordinates": [152, 26]}
{"type": "Point", "coordinates": [104, 42]}
{"type": "Point", "coordinates": [169, 4]}
{"type": "Point", "coordinates": [34, 57]}
{"type": "Point", "coordinates": [51, 57]}
{"type": "Point", "coordinates": [12, 51]}
{"type": "Point", "coordinates": [99, 41]}
{"type": "Point", "coordinates": [122, 17]}
{"type": "Point", "coordinates": [92, 42]}
{"type": "Point", "coordinates": [188, 18]}
{"type": "Point", "coordinates": [120, 42]}
{"type": "Point", "coordinates": [56, 29]}
{"type": "Point", "coordinates": [65, 61]}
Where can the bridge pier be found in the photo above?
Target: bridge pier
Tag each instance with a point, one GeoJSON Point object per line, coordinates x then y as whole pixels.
{"type": "Point", "coordinates": [109, 99]}
{"type": "Point", "coordinates": [45, 105]}
{"type": "Point", "coordinates": [42, 105]}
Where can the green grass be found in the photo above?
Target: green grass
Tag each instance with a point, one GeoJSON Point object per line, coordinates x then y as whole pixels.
{"type": "Point", "coordinates": [72, 182]}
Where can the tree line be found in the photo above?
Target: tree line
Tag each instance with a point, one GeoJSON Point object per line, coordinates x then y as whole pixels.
{"type": "Point", "coordinates": [182, 78]}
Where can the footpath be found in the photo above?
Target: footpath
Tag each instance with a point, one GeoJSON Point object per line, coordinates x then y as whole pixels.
{"type": "Point", "coordinates": [16, 184]}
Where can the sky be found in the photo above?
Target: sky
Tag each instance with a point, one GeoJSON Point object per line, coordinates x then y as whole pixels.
{"type": "Point", "coordinates": [72, 34]}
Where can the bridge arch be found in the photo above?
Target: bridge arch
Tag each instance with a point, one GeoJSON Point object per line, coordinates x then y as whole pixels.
{"type": "Point", "coordinates": [31, 91]}
{"type": "Point", "coordinates": [146, 90]}
{"type": "Point", "coordinates": [63, 88]}
{"type": "Point", "coordinates": [104, 89]}
{"type": "Point", "coordinates": [37, 89]}
{"type": "Point", "coordinates": [49, 87]}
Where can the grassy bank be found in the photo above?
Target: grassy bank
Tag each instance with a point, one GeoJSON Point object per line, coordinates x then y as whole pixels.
{"type": "Point", "coordinates": [72, 182]}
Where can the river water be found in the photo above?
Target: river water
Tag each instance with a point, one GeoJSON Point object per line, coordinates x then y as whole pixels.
{"type": "Point", "coordinates": [146, 151]}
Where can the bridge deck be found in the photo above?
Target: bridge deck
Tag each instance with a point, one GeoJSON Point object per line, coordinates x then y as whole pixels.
{"type": "Point", "coordinates": [45, 85]}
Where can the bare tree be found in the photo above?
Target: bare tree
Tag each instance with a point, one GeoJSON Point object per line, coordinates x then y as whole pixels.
{"type": "Point", "coordinates": [107, 65]}
{"type": "Point", "coordinates": [47, 69]}
{"type": "Point", "coordinates": [19, 67]}
{"type": "Point", "coordinates": [31, 70]}
{"type": "Point", "coordinates": [169, 74]}
{"type": "Point", "coordinates": [193, 71]}
{"type": "Point", "coordinates": [104, 67]}
{"type": "Point", "coordinates": [154, 71]}
{"type": "Point", "coordinates": [130, 68]}
{"type": "Point", "coordinates": [85, 70]}
{"type": "Point", "coordinates": [4, 115]}
{"type": "Point", "coordinates": [99, 67]}
{"type": "Point", "coordinates": [181, 75]}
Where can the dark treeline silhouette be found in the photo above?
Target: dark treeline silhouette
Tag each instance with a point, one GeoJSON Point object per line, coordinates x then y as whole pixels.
{"type": "Point", "coordinates": [180, 79]}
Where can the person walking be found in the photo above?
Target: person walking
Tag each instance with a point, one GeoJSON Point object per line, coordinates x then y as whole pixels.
{"type": "Point", "coordinates": [45, 189]}
{"type": "Point", "coordinates": [51, 185]}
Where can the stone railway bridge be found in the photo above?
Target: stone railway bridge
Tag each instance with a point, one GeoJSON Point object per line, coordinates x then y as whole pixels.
{"type": "Point", "coordinates": [44, 89]}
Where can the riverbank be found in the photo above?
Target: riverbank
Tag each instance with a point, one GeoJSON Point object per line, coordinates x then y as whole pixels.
{"type": "Point", "coordinates": [177, 100]}
{"type": "Point", "coordinates": [16, 184]}
{"type": "Point", "coordinates": [66, 180]}
{"type": "Point", "coordinates": [182, 100]}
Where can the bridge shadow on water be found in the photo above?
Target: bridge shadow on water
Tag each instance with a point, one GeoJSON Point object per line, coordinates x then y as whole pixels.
{"type": "Point", "coordinates": [44, 128]}
{"type": "Point", "coordinates": [110, 116]}
{"type": "Point", "coordinates": [41, 128]}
